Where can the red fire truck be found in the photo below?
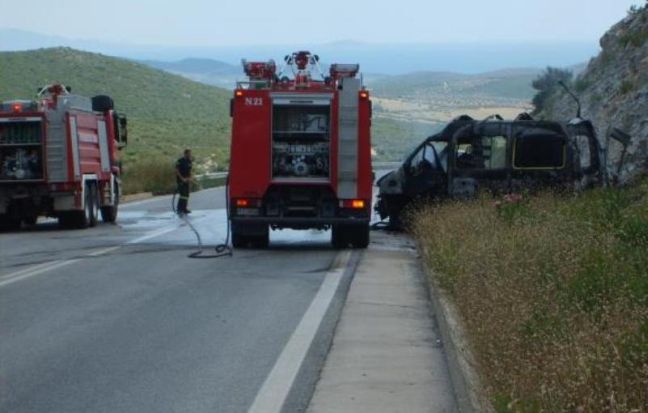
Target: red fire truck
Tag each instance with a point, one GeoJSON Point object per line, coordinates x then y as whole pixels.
{"type": "Point", "coordinates": [300, 152]}
{"type": "Point", "coordinates": [59, 157]}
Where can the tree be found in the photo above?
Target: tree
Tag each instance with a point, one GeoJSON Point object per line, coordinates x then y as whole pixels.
{"type": "Point", "coordinates": [546, 84]}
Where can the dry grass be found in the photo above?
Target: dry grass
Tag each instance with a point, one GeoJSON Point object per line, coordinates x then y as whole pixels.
{"type": "Point", "coordinates": [155, 175]}
{"type": "Point", "coordinates": [553, 291]}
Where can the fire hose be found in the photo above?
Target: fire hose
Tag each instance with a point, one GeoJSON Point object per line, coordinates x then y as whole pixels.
{"type": "Point", "coordinates": [221, 250]}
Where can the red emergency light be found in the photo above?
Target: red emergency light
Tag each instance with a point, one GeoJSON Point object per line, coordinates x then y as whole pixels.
{"type": "Point", "coordinates": [260, 70]}
{"type": "Point", "coordinates": [16, 107]}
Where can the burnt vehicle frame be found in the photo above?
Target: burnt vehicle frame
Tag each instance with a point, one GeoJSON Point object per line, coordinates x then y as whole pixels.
{"type": "Point", "coordinates": [496, 155]}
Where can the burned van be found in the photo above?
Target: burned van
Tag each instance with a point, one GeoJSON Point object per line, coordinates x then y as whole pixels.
{"type": "Point", "coordinates": [500, 156]}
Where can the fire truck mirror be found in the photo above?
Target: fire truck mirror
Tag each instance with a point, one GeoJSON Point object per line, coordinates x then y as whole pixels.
{"type": "Point", "coordinates": [231, 108]}
{"type": "Point", "coordinates": [122, 136]}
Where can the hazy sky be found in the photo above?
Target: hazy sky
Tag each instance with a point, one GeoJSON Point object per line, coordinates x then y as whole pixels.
{"type": "Point", "coordinates": [245, 22]}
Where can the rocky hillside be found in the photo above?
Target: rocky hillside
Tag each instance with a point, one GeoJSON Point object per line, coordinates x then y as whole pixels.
{"type": "Point", "coordinates": [614, 92]}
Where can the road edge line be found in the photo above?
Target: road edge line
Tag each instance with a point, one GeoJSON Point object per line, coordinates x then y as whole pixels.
{"type": "Point", "coordinates": [290, 384]}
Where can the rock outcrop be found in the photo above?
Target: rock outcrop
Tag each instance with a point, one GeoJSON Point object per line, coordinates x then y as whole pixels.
{"type": "Point", "coordinates": [613, 91]}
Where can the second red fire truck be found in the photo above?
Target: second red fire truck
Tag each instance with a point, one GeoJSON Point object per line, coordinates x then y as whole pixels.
{"type": "Point", "coordinates": [300, 152]}
{"type": "Point", "coordinates": [59, 157]}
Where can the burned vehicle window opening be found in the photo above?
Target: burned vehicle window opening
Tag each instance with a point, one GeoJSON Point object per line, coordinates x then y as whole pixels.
{"type": "Point", "coordinates": [538, 149]}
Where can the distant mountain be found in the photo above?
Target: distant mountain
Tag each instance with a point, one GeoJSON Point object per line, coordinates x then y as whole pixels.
{"type": "Point", "coordinates": [166, 112]}
{"type": "Point", "coordinates": [209, 71]}
{"type": "Point", "coordinates": [197, 66]}
{"type": "Point", "coordinates": [390, 59]}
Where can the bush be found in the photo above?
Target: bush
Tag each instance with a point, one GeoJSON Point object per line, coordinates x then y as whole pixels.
{"type": "Point", "coordinates": [155, 175]}
{"type": "Point", "coordinates": [626, 87]}
{"type": "Point", "coordinates": [546, 84]}
{"type": "Point", "coordinates": [553, 291]}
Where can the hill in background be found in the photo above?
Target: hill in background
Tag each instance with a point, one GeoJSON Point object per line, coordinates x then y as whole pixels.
{"type": "Point", "coordinates": [166, 112]}
{"type": "Point", "coordinates": [208, 71]}
{"type": "Point", "coordinates": [438, 97]}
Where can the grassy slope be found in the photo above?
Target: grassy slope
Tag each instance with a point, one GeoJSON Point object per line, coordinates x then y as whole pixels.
{"type": "Point", "coordinates": [393, 139]}
{"type": "Point", "coordinates": [515, 84]}
{"type": "Point", "coordinates": [554, 295]}
{"type": "Point", "coordinates": [166, 112]}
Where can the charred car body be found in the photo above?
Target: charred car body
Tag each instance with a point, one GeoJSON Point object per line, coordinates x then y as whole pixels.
{"type": "Point", "coordinates": [496, 155]}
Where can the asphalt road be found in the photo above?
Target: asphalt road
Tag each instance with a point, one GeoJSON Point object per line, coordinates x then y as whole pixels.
{"type": "Point", "coordinates": [117, 319]}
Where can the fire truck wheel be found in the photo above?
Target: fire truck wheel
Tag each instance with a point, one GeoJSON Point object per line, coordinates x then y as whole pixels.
{"type": "Point", "coordinates": [238, 240]}
{"type": "Point", "coordinates": [30, 220]}
{"type": "Point", "coordinates": [360, 236]}
{"type": "Point", "coordinates": [262, 241]}
{"type": "Point", "coordinates": [65, 220]}
{"type": "Point", "coordinates": [109, 213]}
{"type": "Point", "coordinates": [8, 223]}
{"type": "Point", "coordinates": [244, 241]}
{"type": "Point", "coordinates": [339, 236]}
{"type": "Point", "coordinates": [93, 202]}
{"type": "Point", "coordinates": [87, 217]}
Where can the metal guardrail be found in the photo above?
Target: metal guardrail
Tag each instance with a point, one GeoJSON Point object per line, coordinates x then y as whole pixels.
{"type": "Point", "coordinates": [212, 175]}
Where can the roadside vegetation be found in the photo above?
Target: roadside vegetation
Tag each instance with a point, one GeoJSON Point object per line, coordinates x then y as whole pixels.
{"type": "Point", "coordinates": [553, 291]}
{"type": "Point", "coordinates": [157, 176]}
{"type": "Point", "coordinates": [546, 84]}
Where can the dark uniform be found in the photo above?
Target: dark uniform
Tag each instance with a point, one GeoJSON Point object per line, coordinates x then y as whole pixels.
{"type": "Point", "coordinates": [183, 166]}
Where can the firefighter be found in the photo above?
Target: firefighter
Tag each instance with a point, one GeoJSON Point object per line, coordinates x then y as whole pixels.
{"type": "Point", "coordinates": [183, 178]}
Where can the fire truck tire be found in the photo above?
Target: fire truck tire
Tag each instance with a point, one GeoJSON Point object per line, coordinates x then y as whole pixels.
{"type": "Point", "coordinates": [88, 216]}
{"type": "Point", "coordinates": [93, 202]}
{"type": "Point", "coordinates": [102, 103]}
{"type": "Point", "coordinates": [244, 241]}
{"type": "Point", "coordinates": [8, 223]}
{"type": "Point", "coordinates": [360, 236]}
{"type": "Point", "coordinates": [262, 241]}
{"type": "Point", "coordinates": [339, 236]}
{"type": "Point", "coordinates": [66, 220]}
{"type": "Point", "coordinates": [30, 220]}
{"type": "Point", "coordinates": [238, 240]}
{"type": "Point", "coordinates": [355, 235]}
{"type": "Point", "coordinates": [109, 213]}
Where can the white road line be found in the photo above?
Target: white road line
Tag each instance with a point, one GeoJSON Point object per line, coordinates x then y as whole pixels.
{"type": "Point", "coordinates": [36, 271]}
{"type": "Point", "coordinates": [274, 391]}
{"type": "Point", "coordinates": [104, 251]}
{"type": "Point", "coordinates": [52, 265]}
{"type": "Point", "coordinates": [153, 234]}
{"type": "Point", "coordinates": [30, 269]}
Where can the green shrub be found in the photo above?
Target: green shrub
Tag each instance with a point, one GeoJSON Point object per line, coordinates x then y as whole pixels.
{"type": "Point", "coordinates": [626, 87]}
{"type": "Point", "coordinates": [553, 292]}
{"type": "Point", "coordinates": [156, 175]}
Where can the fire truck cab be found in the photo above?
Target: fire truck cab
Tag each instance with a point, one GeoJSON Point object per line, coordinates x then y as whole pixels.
{"type": "Point", "coordinates": [300, 152]}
